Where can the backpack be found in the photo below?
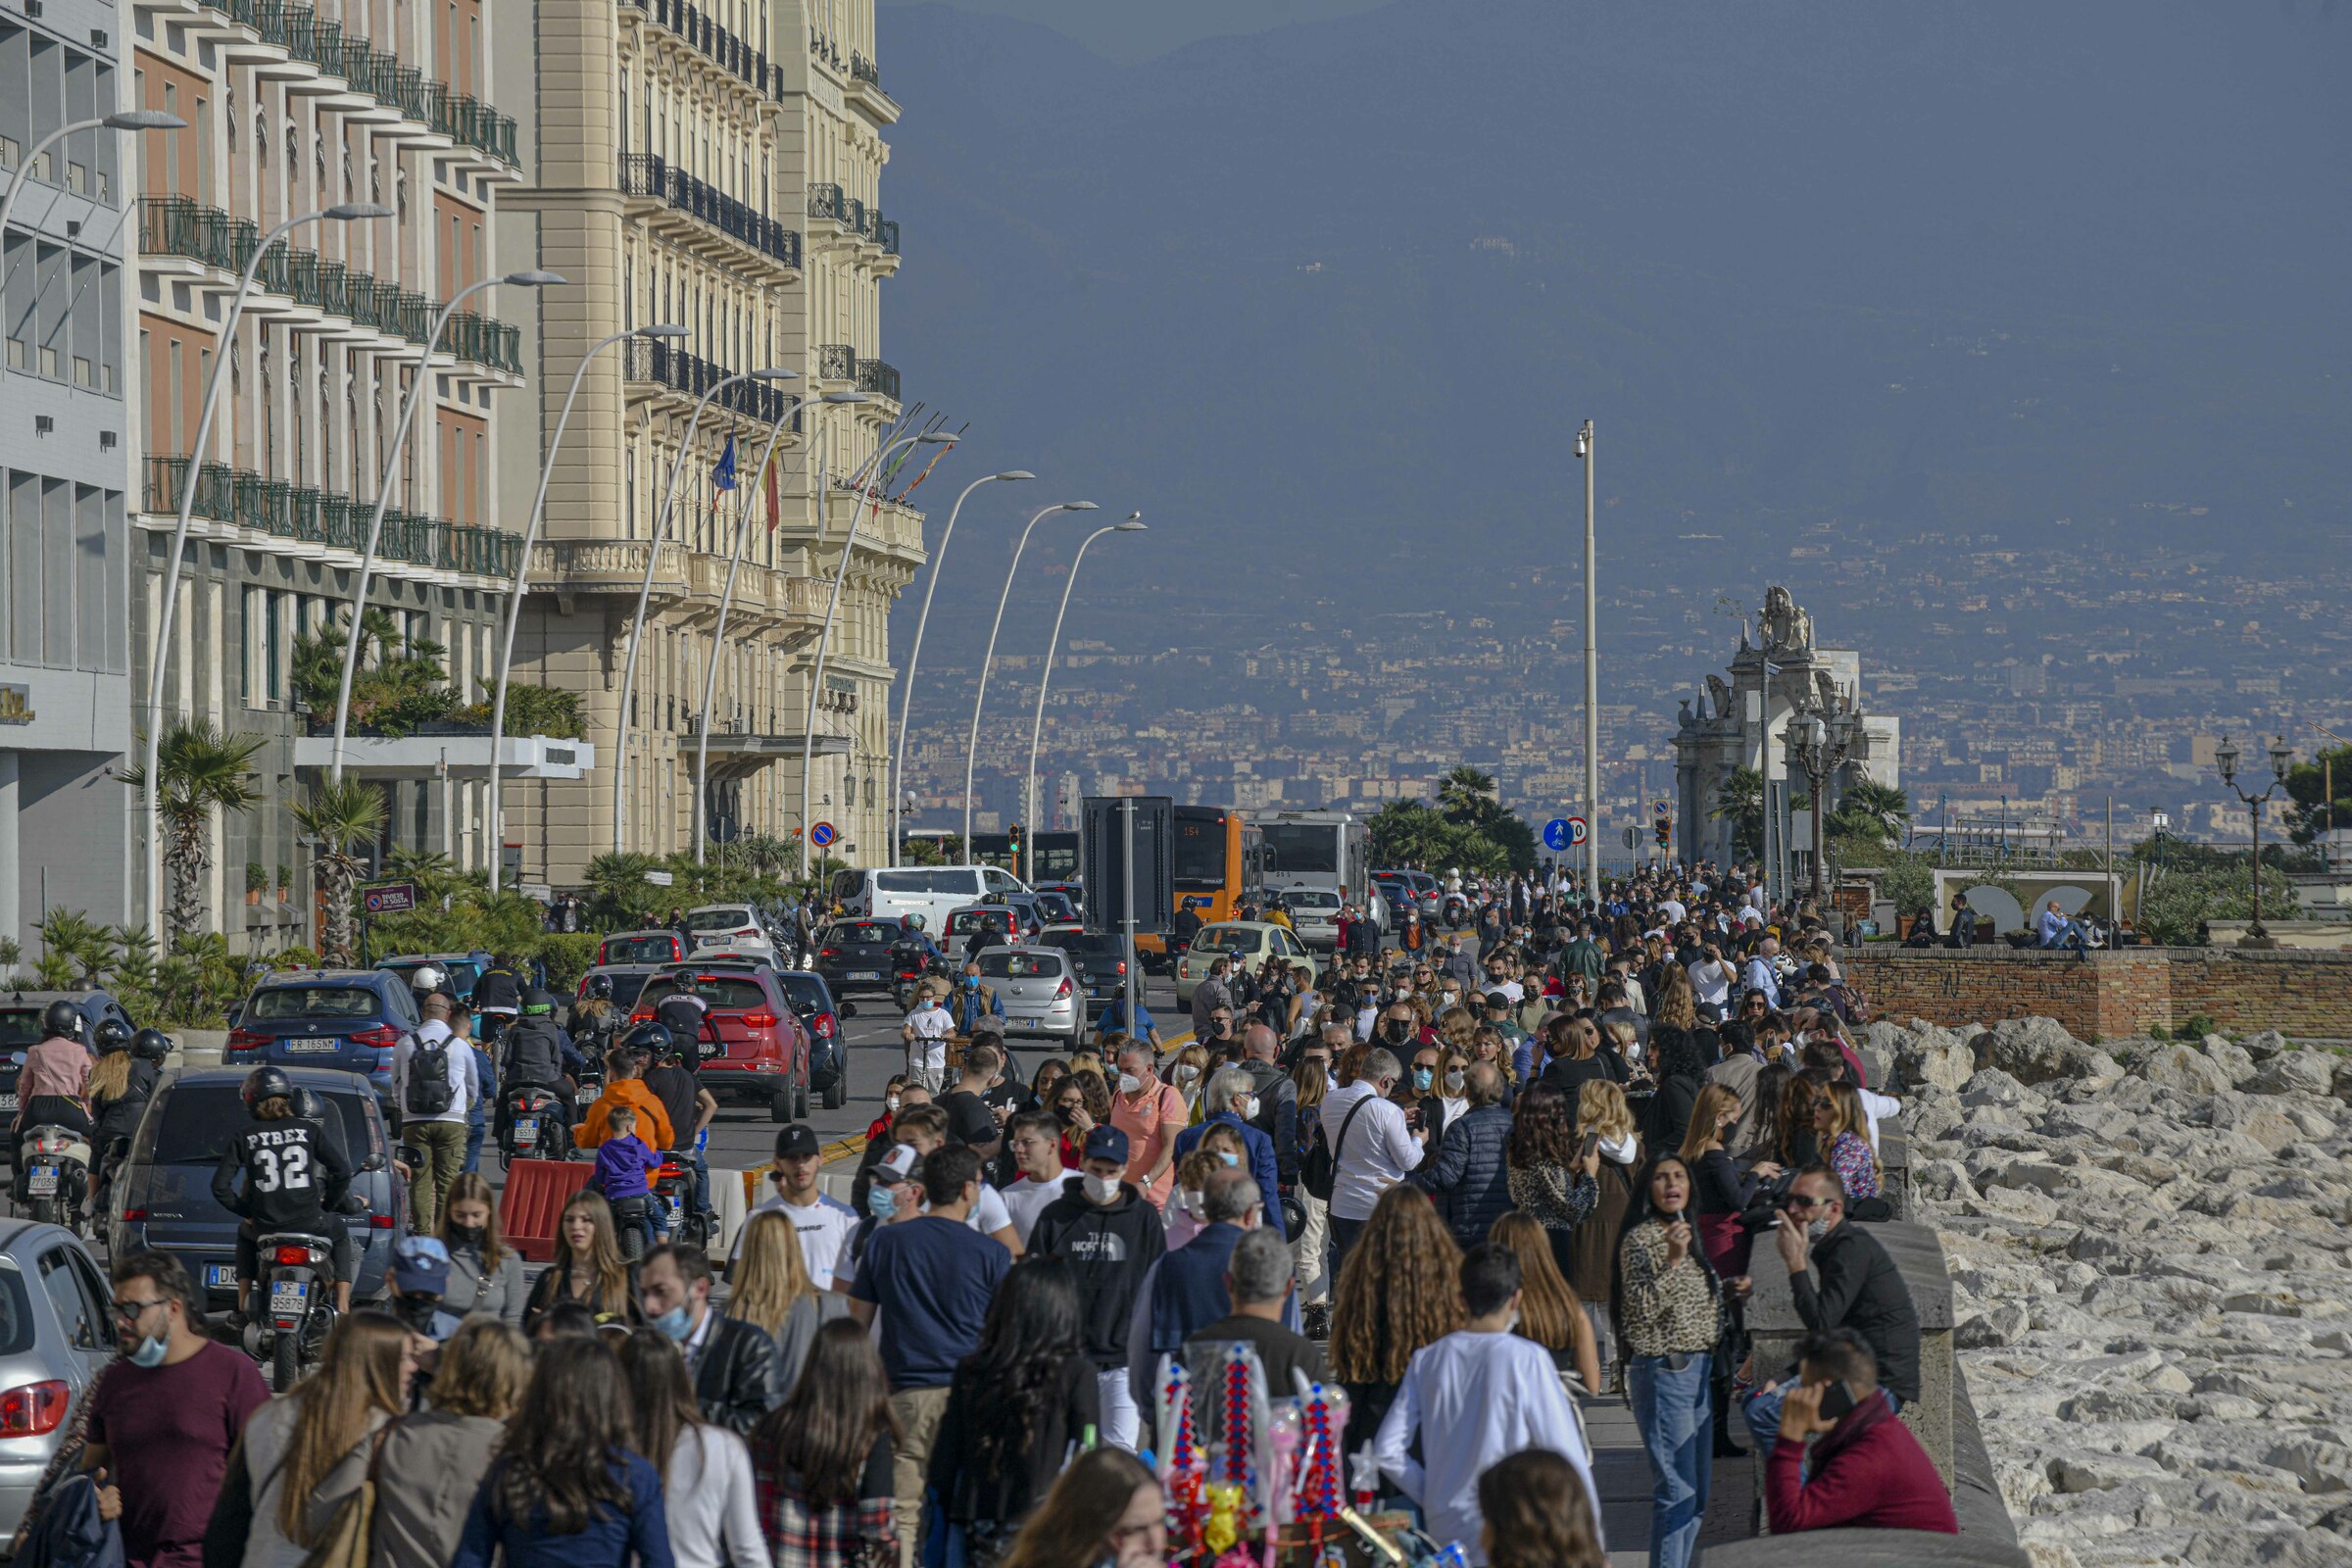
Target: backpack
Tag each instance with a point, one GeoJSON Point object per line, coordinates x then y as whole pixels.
{"type": "Point", "coordinates": [431, 1092]}
{"type": "Point", "coordinates": [1321, 1166]}
{"type": "Point", "coordinates": [1850, 1003]}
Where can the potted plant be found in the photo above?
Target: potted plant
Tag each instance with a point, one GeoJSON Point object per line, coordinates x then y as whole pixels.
{"type": "Point", "coordinates": [285, 884]}
{"type": "Point", "coordinates": [256, 878]}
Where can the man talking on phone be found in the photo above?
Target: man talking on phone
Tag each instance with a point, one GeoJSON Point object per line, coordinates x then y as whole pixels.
{"type": "Point", "coordinates": [1867, 1469]}
{"type": "Point", "coordinates": [1840, 1277]}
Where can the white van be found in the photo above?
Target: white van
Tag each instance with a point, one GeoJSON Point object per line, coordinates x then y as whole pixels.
{"type": "Point", "coordinates": [933, 891]}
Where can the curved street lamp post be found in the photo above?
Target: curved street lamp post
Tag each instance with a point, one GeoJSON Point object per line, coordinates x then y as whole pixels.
{"type": "Point", "coordinates": [971, 746]}
{"type": "Point", "coordinates": [1037, 727]}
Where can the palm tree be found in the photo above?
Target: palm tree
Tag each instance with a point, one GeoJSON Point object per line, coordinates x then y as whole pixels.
{"type": "Point", "coordinates": [1465, 795]}
{"type": "Point", "coordinates": [1739, 801]}
{"type": "Point", "coordinates": [342, 817]}
{"type": "Point", "coordinates": [1879, 810]}
{"type": "Point", "coordinates": [204, 769]}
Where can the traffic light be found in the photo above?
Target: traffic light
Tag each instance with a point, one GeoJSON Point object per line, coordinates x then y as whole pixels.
{"type": "Point", "coordinates": [1015, 851]}
{"type": "Point", "coordinates": [1665, 831]}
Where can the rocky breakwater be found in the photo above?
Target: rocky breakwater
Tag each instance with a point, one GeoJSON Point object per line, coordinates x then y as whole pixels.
{"type": "Point", "coordinates": [2152, 1255]}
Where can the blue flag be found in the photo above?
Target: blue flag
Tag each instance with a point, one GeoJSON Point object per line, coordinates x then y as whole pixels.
{"type": "Point", "coordinates": [723, 476]}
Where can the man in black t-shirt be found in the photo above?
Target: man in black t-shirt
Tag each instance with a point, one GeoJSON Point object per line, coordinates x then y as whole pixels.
{"type": "Point", "coordinates": [690, 1107]}
{"type": "Point", "coordinates": [970, 1120]}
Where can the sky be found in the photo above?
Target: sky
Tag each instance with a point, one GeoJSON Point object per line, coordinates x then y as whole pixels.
{"type": "Point", "coordinates": [1129, 32]}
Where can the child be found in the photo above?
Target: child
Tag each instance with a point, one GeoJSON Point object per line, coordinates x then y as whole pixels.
{"type": "Point", "coordinates": [925, 1033]}
{"type": "Point", "coordinates": [624, 1170]}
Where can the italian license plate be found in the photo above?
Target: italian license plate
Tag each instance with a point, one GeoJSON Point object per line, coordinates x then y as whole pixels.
{"type": "Point", "coordinates": [865, 974]}
{"type": "Point", "coordinates": [312, 1044]}
{"type": "Point", "coordinates": [526, 1129]}
{"type": "Point", "coordinates": [220, 1276]}
{"type": "Point", "coordinates": [8, 1101]}
{"type": "Point", "coordinates": [43, 1182]}
{"type": "Point", "coordinates": [289, 1297]}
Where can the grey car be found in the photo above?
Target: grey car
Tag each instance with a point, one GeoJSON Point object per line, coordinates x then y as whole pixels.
{"type": "Point", "coordinates": [1041, 991]}
{"type": "Point", "coordinates": [55, 1335]}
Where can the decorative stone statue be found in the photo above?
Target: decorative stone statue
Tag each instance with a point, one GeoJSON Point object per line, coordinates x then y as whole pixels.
{"type": "Point", "coordinates": [1786, 628]}
{"type": "Point", "coordinates": [1719, 698]}
{"type": "Point", "coordinates": [1684, 720]}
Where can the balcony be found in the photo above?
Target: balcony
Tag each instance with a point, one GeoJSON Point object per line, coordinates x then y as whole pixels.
{"type": "Point", "coordinates": [285, 510]}
{"type": "Point", "coordinates": [836, 361]}
{"type": "Point", "coordinates": [864, 71]}
{"type": "Point", "coordinates": [649, 174]}
{"type": "Point", "coordinates": [692, 375]}
{"type": "Point", "coordinates": [825, 204]}
{"type": "Point", "coordinates": [886, 234]}
{"type": "Point", "coordinates": [878, 378]}
{"type": "Point", "coordinates": [733, 55]}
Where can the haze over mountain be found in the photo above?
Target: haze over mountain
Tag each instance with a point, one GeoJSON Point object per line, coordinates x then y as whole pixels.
{"type": "Point", "coordinates": [1327, 301]}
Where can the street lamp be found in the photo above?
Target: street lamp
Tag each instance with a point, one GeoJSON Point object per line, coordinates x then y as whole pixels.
{"type": "Point", "coordinates": [1818, 741]}
{"type": "Point", "coordinates": [939, 561]}
{"type": "Point", "coordinates": [531, 536]}
{"type": "Point", "coordinates": [1583, 451]}
{"type": "Point", "coordinates": [824, 638]}
{"type": "Point", "coordinates": [971, 746]}
{"type": "Point", "coordinates": [644, 589]}
{"type": "Point", "coordinates": [383, 496]}
{"type": "Point", "coordinates": [2225, 758]}
{"type": "Point", "coordinates": [1037, 728]}
{"type": "Point", "coordinates": [341, 212]}
{"type": "Point", "coordinates": [127, 120]}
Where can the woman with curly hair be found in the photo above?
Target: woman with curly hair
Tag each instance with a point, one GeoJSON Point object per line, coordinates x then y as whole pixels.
{"type": "Point", "coordinates": [1550, 1179]}
{"type": "Point", "coordinates": [1677, 1007]}
{"type": "Point", "coordinates": [1537, 1514]}
{"type": "Point", "coordinates": [1018, 1401]}
{"type": "Point", "coordinates": [1795, 1143]}
{"type": "Point", "coordinates": [1399, 1291]}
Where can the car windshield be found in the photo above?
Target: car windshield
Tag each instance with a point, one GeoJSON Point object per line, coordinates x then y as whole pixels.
{"type": "Point", "coordinates": [657, 948]}
{"type": "Point", "coordinates": [625, 987]}
{"type": "Point", "coordinates": [197, 1119]}
{"type": "Point", "coordinates": [723, 991]}
{"type": "Point", "coordinates": [964, 922]}
{"type": "Point", "coordinates": [314, 1002]}
{"type": "Point", "coordinates": [718, 919]}
{"type": "Point", "coordinates": [805, 991]}
{"type": "Point", "coordinates": [1054, 906]}
{"type": "Point", "coordinates": [1018, 965]}
{"type": "Point", "coordinates": [19, 1026]}
{"type": "Point", "coordinates": [865, 931]}
{"type": "Point", "coordinates": [1219, 938]}
{"type": "Point", "coordinates": [1309, 899]}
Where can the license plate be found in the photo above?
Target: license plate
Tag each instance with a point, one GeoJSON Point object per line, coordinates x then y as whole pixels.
{"type": "Point", "coordinates": [865, 974]}
{"type": "Point", "coordinates": [312, 1044]}
{"type": "Point", "coordinates": [43, 1182]}
{"type": "Point", "coordinates": [289, 1297]}
{"type": "Point", "coordinates": [8, 1101]}
{"type": "Point", "coordinates": [527, 1128]}
{"type": "Point", "coordinates": [220, 1276]}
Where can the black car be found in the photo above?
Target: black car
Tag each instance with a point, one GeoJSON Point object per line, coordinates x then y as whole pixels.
{"type": "Point", "coordinates": [1101, 961]}
{"type": "Point", "coordinates": [855, 956]}
{"type": "Point", "coordinates": [828, 1047]}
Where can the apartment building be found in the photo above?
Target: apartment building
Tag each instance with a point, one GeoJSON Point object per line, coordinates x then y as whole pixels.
{"type": "Point", "coordinates": [716, 166]}
{"type": "Point", "coordinates": [294, 108]}
{"type": "Point", "coordinates": [65, 468]}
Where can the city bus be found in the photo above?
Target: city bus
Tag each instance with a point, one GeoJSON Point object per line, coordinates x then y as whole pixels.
{"type": "Point", "coordinates": [1217, 861]}
{"type": "Point", "coordinates": [1327, 849]}
{"type": "Point", "coordinates": [1053, 857]}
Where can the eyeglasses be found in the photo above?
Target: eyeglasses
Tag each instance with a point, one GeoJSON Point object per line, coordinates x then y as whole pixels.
{"type": "Point", "coordinates": [133, 1311]}
{"type": "Point", "coordinates": [1800, 1201]}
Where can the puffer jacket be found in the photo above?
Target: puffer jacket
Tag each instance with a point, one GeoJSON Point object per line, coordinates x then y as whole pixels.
{"type": "Point", "coordinates": [1469, 1176]}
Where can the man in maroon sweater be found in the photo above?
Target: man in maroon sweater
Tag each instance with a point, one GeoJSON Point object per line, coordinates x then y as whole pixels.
{"type": "Point", "coordinates": [1867, 1469]}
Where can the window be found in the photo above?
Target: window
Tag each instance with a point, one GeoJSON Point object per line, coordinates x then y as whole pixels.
{"type": "Point", "coordinates": [281, 1003]}
{"type": "Point", "coordinates": [1019, 965]}
{"type": "Point", "coordinates": [82, 1319]}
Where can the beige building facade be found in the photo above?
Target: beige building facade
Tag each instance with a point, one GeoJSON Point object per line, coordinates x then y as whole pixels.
{"type": "Point", "coordinates": [715, 167]}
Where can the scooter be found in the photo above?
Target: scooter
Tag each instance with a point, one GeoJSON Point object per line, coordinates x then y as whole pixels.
{"type": "Point", "coordinates": [673, 1191]}
{"type": "Point", "coordinates": [296, 1287]}
{"type": "Point", "coordinates": [53, 1175]}
{"type": "Point", "coordinates": [535, 1128]}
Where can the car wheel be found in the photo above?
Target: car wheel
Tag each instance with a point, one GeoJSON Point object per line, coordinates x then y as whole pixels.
{"type": "Point", "coordinates": [779, 1108]}
{"type": "Point", "coordinates": [837, 1093]}
{"type": "Point", "coordinates": [799, 1100]}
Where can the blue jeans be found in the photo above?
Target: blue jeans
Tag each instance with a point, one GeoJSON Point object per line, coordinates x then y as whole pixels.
{"type": "Point", "coordinates": [692, 1163]}
{"type": "Point", "coordinates": [1764, 1416]}
{"type": "Point", "coordinates": [474, 1127]}
{"type": "Point", "coordinates": [1677, 1433]}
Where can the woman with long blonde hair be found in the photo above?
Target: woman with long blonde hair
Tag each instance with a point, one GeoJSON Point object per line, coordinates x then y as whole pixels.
{"type": "Point", "coordinates": [306, 1451]}
{"type": "Point", "coordinates": [587, 1266]}
{"type": "Point", "coordinates": [769, 1285]}
{"type": "Point", "coordinates": [1548, 1312]}
{"type": "Point", "coordinates": [1399, 1292]}
{"type": "Point", "coordinates": [1603, 1115]}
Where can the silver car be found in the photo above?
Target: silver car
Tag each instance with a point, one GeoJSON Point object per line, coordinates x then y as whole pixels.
{"type": "Point", "coordinates": [1041, 993]}
{"type": "Point", "coordinates": [1314, 918]}
{"type": "Point", "coordinates": [55, 1335]}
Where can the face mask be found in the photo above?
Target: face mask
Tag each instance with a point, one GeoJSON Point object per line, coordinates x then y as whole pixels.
{"type": "Point", "coordinates": [150, 1352]}
{"type": "Point", "coordinates": [1247, 1109]}
{"type": "Point", "coordinates": [1454, 1082]}
{"type": "Point", "coordinates": [1102, 1189]}
{"type": "Point", "coordinates": [1229, 1157]}
{"type": "Point", "coordinates": [1193, 1202]}
{"type": "Point", "coordinates": [1396, 1030]}
{"type": "Point", "coordinates": [971, 982]}
{"type": "Point", "coordinates": [1186, 1072]}
{"type": "Point", "coordinates": [468, 1235]}
{"type": "Point", "coordinates": [676, 1323]}
{"type": "Point", "coordinates": [1816, 1229]}
{"type": "Point", "coordinates": [416, 1312]}
{"type": "Point", "coordinates": [891, 1105]}
{"type": "Point", "coordinates": [879, 1201]}
{"type": "Point", "coordinates": [1422, 1077]}
{"type": "Point", "coordinates": [1129, 1083]}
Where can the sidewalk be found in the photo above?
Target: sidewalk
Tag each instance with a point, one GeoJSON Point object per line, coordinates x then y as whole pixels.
{"type": "Point", "coordinates": [1621, 1475]}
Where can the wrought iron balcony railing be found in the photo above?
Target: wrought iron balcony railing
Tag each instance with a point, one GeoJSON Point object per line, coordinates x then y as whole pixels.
{"type": "Point", "coordinates": [878, 378]}
{"type": "Point", "coordinates": [694, 376]}
{"type": "Point", "coordinates": [287, 511]}
{"type": "Point", "coordinates": [730, 53]}
{"type": "Point", "coordinates": [836, 361]}
{"type": "Point", "coordinates": [825, 203]}
{"type": "Point", "coordinates": [649, 174]}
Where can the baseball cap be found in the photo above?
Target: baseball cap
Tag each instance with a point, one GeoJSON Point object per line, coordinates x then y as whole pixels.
{"type": "Point", "coordinates": [1500, 1000]}
{"type": "Point", "coordinates": [798, 1140]}
{"type": "Point", "coordinates": [899, 1165]}
{"type": "Point", "coordinates": [1105, 1143]}
{"type": "Point", "coordinates": [421, 1263]}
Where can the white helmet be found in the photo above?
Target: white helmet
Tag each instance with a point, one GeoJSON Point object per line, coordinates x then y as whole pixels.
{"type": "Point", "coordinates": [427, 978]}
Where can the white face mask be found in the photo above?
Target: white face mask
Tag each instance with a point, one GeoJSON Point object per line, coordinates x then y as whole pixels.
{"type": "Point", "coordinates": [1129, 1083]}
{"type": "Point", "coordinates": [1247, 1109]}
{"type": "Point", "coordinates": [1186, 1072]}
{"type": "Point", "coordinates": [891, 1103]}
{"type": "Point", "coordinates": [1102, 1189]}
{"type": "Point", "coordinates": [1454, 1082]}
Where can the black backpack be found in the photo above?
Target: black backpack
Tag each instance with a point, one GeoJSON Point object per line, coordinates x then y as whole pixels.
{"type": "Point", "coordinates": [1321, 1166]}
{"type": "Point", "coordinates": [430, 1091]}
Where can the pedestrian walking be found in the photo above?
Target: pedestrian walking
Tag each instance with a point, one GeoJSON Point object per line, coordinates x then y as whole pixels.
{"type": "Point", "coordinates": [1670, 1312]}
{"type": "Point", "coordinates": [586, 1268]}
{"type": "Point", "coordinates": [1106, 1511]}
{"type": "Point", "coordinates": [733, 1363]}
{"type": "Point", "coordinates": [1398, 1292]}
{"type": "Point", "coordinates": [769, 1288]}
{"type": "Point", "coordinates": [485, 1275]}
{"type": "Point", "coordinates": [433, 1460]}
{"type": "Point", "coordinates": [1539, 1513]}
{"type": "Point", "coordinates": [1110, 1238]}
{"type": "Point", "coordinates": [434, 1086]}
{"type": "Point", "coordinates": [825, 1461]}
{"type": "Point", "coordinates": [1605, 1122]}
{"type": "Point", "coordinates": [707, 1494]}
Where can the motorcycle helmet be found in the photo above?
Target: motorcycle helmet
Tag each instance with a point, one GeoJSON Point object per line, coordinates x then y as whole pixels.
{"type": "Point", "coordinates": [537, 1003]}
{"type": "Point", "coordinates": [914, 922]}
{"type": "Point", "coordinates": [427, 978]}
{"type": "Point", "coordinates": [112, 1036]}
{"type": "Point", "coordinates": [151, 1045]}
{"type": "Point", "coordinates": [600, 987]}
{"type": "Point", "coordinates": [63, 1020]}
{"type": "Point", "coordinates": [267, 1083]}
{"type": "Point", "coordinates": [309, 1107]}
{"type": "Point", "coordinates": [648, 1040]}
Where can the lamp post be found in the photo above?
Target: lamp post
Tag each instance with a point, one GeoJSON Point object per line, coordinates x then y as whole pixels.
{"type": "Point", "coordinates": [383, 496]}
{"type": "Point", "coordinates": [824, 638]}
{"type": "Point", "coordinates": [645, 591]}
{"type": "Point", "coordinates": [2225, 758]}
{"type": "Point", "coordinates": [1584, 451]}
{"type": "Point", "coordinates": [2327, 796]}
{"type": "Point", "coordinates": [343, 213]}
{"type": "Point", "coordinates": [531, 536]}
{"type": "Point", "coordinates": [1818, 742]}
{"type": "Point", "coordinates": [939, 562]}
{"type": "Point", "coordinates": [127, 120]}
{"type": "Point", "coordinates": [1037, 727]}
{"type": "Point", "coordinates": [971, 746]}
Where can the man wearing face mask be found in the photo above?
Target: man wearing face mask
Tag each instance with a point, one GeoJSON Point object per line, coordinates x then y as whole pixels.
{"type": "Point", "coordinates": [1231, 1099]}
{"type": "Point", "coordinates": [1152, 1115]}
{"type": "Point", "coordinates": [1372, 1147]}
{"type": "Point", "coordinates": [1211, 996]}
{"type": "Point", "coordinates": [419, 1279]}
{"type": "Point", "coordinates": [165, 1415]}
{"type": "Point", "coordinates": [733, 1363]}
{"type": "Point", "coordinates": [1110, 1236]}
{"type": "Point", "coordinates": [975, 1005]}
{"type": "Point", "coordinates": [1277, 1108]}
{"type": "Point", "coordinates": [1186, 1290]}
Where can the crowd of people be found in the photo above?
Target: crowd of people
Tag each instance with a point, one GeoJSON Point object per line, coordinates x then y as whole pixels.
{"type": "Point", "coordinates": [1474, 1187]}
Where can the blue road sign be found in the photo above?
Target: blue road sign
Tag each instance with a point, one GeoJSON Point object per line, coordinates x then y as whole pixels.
{"type": "Point", "coordinates": [1555, 833]}
{"type": "Point", "coordinates": [821, 834]}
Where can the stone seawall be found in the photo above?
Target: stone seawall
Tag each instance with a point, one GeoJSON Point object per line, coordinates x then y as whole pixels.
{"type": "Point", "coordinates": [2102, 996]}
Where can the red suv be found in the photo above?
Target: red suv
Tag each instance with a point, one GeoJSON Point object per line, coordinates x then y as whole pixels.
{"type": "Point", "coordinates": [764, 1055]}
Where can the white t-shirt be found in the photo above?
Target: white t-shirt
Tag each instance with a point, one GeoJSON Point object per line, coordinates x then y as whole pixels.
{"type": "Point", "coordinates": [1511, 989]}
{"type": "Point", "coordinates": [1376, 1154]}
{"type": "Point", "coordinates": [460, 1056]}
{"type": "Point", "coordinates": [1711, 987]}
{"type": "Point", "coordinates": [1026, 1198]}
{"type": "Point", "coordinates": [932, 1024]}
{"type": "Point", "coordinates": [989, 1214]}
{"type": "Point", "coordinates": [1673, 911]}
{"type": "Point", "coordinates": [823, 1227]}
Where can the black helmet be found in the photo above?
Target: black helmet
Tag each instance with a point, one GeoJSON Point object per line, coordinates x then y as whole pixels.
{"type": "Point", "coordinates": [600, 986]}
{"type": "Point", "coordinates": [110, 1036]}
{"type": "Point", "coordinates": [648, 1040]}
{"type": "Point", "coordinates": [536, 1000]}
{"type": "Point", "coordinates": [309, 1107]}
{"type": "Point", "coordinates": [152, 1045]}
{"type": "Point", "coordinates": [267, 1083]}
{"type": "Point", "coordinates": [62, 1019]}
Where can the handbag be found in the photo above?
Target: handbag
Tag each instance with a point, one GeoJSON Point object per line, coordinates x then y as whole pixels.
{"type": "Point", "coordinates": [350, 1536]}
{"type": "Point", "coordinates": [1321, 1167]}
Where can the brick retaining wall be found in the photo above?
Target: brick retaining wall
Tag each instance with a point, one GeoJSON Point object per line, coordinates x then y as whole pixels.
{"type": "Point", "coordinates": [2110, 994]}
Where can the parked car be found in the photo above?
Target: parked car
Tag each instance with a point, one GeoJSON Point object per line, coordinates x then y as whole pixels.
{"type": "Point", "coordinates": [991, 924]}
{"type": "Point", "coordinates": [642, 947]}
{"type": "Point", "coordinates": [21, 1030]}
{"type": "Point", "coordinates": [1100, 961]}
{"type": "Point", "coordinates": [823, 1016]}
{"type": "Point", "coordinates": [1251, 941]}
{"type": "Point", "coordinates": [164, 1193]}
{"type": "Point", "coordinates": [762, 1048]}
{"type": "Point", "coordinates": [1038, 988]}
{"type": "Point", "coordinates": [464, 968]}
{"type": "Point", "coordinates": [1315, 916]}
{"type": "Point", "coordinates": [349, 1020]}
{"type": "Point", "coordinates": [728, 925]}
{"type": "Point", "coordinates": [855, 955]}
{"type": "Point", "coordinates": [56, 1335]}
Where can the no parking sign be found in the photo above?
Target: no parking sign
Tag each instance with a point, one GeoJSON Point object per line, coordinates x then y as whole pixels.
{"type": "Point", "coordinates": [821, 834]}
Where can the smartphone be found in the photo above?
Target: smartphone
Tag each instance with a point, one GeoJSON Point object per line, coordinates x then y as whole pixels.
{"type": "Point", "coordinates": [1838, 1399]}
{"type": "Point", "coordinates": [1592, 1143]}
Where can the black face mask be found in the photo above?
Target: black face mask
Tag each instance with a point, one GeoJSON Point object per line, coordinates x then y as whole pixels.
{"type": "Point", "coordinates": [1064, 1113]}
{"type": "Point", "coordinates": [416, 1312]}
{"type": "Point", "coordinates": [468, 1235]}
{"type": "Point", "coordinates": [1396, 1030]}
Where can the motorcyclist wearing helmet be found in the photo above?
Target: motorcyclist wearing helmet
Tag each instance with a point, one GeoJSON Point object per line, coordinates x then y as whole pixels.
{"type": "Point", "coordinates": [624, 1085]}
{"type": "Point", "coordinates": [430, 979]}
{"type": "Point", "coordinates": [691, 1107]}
{"type": "Point", "coordinates": [912, 938]}
{"type": "Point", "coordinates": [121, 1085]}
{"type": "Point", "coordinates": [536, 1052]}
{"type": "Point", "coordinates": [593, 1016]}
{"type": "Point", "coordinates": [497, 994]}
{"type": "Point", "coordinates": [53, 1089]}
{"type": "Point", "coordinates": [293, 1173]}
{"type": "Point", "coordinates": [682, 1010]}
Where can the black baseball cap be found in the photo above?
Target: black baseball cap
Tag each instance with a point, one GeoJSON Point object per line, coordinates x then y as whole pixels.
{"type": "Point", "coordinates": [798, 1142]}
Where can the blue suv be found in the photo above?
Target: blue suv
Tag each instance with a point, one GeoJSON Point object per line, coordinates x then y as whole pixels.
{"type": "Point", "coordinates": [344, 1019]}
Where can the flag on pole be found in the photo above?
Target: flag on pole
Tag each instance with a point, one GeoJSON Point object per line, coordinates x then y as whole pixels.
{"type": "Point", "coordinates": [723, 476]}
{"type": "Point", "coordinates": [775, 507]}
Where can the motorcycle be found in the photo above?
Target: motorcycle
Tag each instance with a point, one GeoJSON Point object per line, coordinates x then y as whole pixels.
{"type": "Point", "coordinates": [535, 1128]}
{"type": "Point", "coordinates": [297, 1289]}
{"type": "Point", "coordinates": [673, 1191]}
{"type": "Point", "coordinates": [53, 1175]}
{"type": "Point", "coordinates": [909, 969]}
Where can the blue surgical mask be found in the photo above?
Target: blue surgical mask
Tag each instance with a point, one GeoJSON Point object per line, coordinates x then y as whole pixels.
{"type": "Point", "coordinates": [676, 1323]}
{"type": "Point", "coordinates": [1422, 1077]}
{"type": "Point", "coordinates": [1229, 1157]}
{"type": "Point", "coordinates": [151, 1351]}
{"type": "Point", "coordinates": [879, 1203]}
{"type": "Point", "coordinates": [971, 982]}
